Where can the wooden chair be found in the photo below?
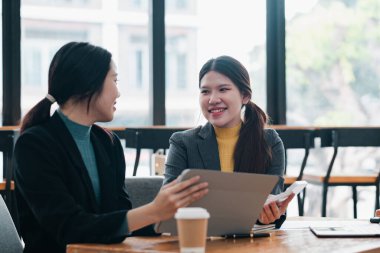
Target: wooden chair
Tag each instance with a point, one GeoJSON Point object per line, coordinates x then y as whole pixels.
{"type": "Point", "coordinates": [297, 139]}
{"type": "Point", "coordinates": [346, 137]}
{"type": "Point", "coordinates": [153, 138]}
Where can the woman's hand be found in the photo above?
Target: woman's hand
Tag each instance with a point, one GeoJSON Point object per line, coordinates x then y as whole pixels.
{"type": "Point", "coordinates": [272, 211]}
{"type": "Point", "coordinates": [377, 213]}
{"type": "Point", "coordinates": [175, 195]}
{"type": "Point", "coordinates": [171, 197]}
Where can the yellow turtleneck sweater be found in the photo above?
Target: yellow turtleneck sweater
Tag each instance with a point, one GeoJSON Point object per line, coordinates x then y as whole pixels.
{"type": "Point", "coordinates": [227, 138]}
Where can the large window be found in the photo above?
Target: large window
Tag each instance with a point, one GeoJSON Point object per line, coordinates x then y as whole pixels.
{"type": "Point", "coordinates": [119, 26]}
{"type": "Point", "coordinates": [134, 75]}
{"type": "Point", "coordinates": [333, 62]}
{"type": "Point", "coordinates": [333, 78]}
{"type": "Point", "coordinates": [41, 39]}
{"type": "Point", "coordinates": [196, 33]}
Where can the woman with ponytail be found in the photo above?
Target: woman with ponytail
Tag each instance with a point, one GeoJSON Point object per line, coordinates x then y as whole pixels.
{"type": "Point", "coordinates": [70, 172]}
{"type": "Point", "coordinates": [229, 142]}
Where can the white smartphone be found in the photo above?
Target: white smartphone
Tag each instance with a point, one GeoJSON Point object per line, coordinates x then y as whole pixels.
{"type": "Point", "coordinates": [295, 188]}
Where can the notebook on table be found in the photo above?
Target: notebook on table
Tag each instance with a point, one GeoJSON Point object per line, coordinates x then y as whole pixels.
{"type": "Point", "coordinates": [365, 230]}
{"type": "Point", "coordinates": [234, 200]}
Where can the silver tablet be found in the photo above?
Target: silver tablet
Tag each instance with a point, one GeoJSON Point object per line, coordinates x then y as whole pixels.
{"type": "Point", "coordinates": [234, 200]}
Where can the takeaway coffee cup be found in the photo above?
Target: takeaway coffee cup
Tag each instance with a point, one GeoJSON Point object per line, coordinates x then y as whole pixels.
{"type": "Point", "coordinates": [192, 229]}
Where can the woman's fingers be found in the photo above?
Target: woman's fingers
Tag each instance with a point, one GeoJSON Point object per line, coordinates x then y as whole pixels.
{"type": "Point", "coordinates": [268, 212]}
{"type": "Point", "coordinates": [276, 212]}
{"type": "Point", "coordinates": [192, 189]}
{"type": "Point", "coordinates": [186, 189]}
{"type": "Point", "coordinates": [190, 195]}
{"type": "Point", "coordinates": [263, 218]}
{"type": "Point", "coordinates": [188, 199]}
{"type": "Point", "coordinates": [284, 204]}
{"type": "Point", "coordinates": [169, 184]}
{"type": "Point", "coordinates": [175, 195]}
{"type": "Point", "coordinates": [183, 185]}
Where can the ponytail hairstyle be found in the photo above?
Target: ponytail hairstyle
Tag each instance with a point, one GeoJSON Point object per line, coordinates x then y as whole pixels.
{"type": "Point", "coordinates": [76, 71]}
{"type": "Point", "coordinates": [252, 153]}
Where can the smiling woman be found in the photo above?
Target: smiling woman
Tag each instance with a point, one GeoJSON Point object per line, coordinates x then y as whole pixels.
{"type": "Point", "coordinates": [70, 172]}
{"type": "Point", "coordinates": [229, 142]}
{"type": "Point", "coordinates": [220, 100]}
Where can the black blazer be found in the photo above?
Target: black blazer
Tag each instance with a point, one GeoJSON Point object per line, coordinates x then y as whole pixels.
{"type": "Point", "coordinates": [54, 192]}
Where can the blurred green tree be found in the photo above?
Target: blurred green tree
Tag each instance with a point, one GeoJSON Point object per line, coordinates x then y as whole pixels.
{"type": "Point", "coordinates": [333, 64]}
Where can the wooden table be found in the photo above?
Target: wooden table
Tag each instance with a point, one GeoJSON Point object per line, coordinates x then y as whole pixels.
{"type": "Point", "coordinates": [294, 237]}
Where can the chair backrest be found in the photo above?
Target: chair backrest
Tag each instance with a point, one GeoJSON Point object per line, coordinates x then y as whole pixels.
{"type": "Point", "coordinates": [349, 137]}
{"type": "Point", "coordinates": [356, 137]}
{"type": "Point", "coordinates": [9, 239]}
{"type": "Point", "coordinates": [143, 190]}
{"type": "Point", "coordinates": [297, 139]}
{"type": "Point", "coordinates": [148, 138]}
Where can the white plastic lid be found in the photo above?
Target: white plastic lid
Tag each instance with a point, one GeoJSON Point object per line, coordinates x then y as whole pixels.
{"type": "Point", "coordinates": [192, 213]}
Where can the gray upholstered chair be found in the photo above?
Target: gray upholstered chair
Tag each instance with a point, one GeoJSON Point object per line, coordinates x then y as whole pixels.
{"type": "Point", "coordinates": [143, 190]}
{"type": "Point", "coordinates": [9, 239]}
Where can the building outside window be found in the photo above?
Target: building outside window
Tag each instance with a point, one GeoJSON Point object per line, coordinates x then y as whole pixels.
{"type": "Point", "coordinates": [48, 24]}
{"type": "Point", "coordinates": [121, 26]}
{"type": "Point", "coordinates": [41, 39]}
{"type": "Point", "coordinates": [196, 33]}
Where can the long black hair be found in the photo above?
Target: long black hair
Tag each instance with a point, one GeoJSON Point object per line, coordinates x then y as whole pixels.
{"type": "Point", "coordinates": [252, 153]}
{"type": "Point", "coordinates": [77, 70]}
